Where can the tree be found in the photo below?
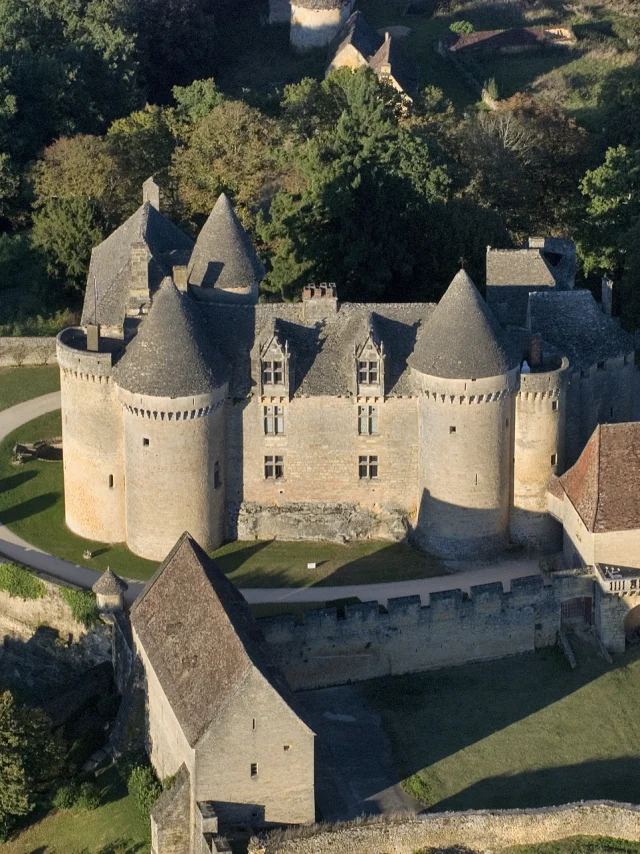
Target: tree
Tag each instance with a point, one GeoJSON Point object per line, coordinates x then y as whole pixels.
{"type": "Point", "coordinates": [462, 27]}
{"type": "Point", "coordinates": [193, 103]}
{"type": "Point", "coordinates": [29, 758]}
{"type": "Point", "coordinates": [619, 101]}
{"type": "Point", "coordinates": [232, 149]}
{"type": "Point", "coordinates": [365, 186]}
{"type": "Point", "coordinates": [66, 230]}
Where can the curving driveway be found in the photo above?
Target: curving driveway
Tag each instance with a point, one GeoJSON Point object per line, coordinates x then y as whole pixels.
{"type": "Point", "coordinates": [17, 549]}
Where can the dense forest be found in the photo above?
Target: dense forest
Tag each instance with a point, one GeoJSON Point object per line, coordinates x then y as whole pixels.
{"type": "Point", "coordinates": [336, 179]}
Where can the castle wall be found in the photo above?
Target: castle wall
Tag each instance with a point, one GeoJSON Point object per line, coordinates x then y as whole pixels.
{"type": "Point", "coordinates": [618, 548]}
{"type": "Point", "coordinates": [21, 350]}
{"type": "Point", "coordinates": [320, 446]}
{"type": "Point", "coordinates": [92, 438]}
{"type": "Point", "coordinates": [465, 465]}
{"type": "Point", "coordinates": [475, 830]}
{"type": "Point", "coordinates": [312, 28]}
{"type": "Point", "coordinates": [452, 629]}
{"type": "Point", "coordinates": [600, 395]}
{"type": "Point", "coordinates": [279, 11]}
{"type": "Point", "coordinates": [282, 789]}
{"type": "Point", "coordinates": [577, 541]}
{"type": "Point", "coordinates": [540, 417]}
{"type": "Point", "coordinates": [171, 447]}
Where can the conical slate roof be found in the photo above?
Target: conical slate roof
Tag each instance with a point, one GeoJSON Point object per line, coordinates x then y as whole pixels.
{"type": "Point", "coordinates": [170, 356]}
{"type": "Point", "coordinates": [224, 256]}
{"type": "Point", "coordinates": [110, 584]}
{"type": "Point", "coordinates": [463, 339]}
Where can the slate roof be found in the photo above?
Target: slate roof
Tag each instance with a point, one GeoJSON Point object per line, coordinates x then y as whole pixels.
{"type": "Point", "coordinates": [603, 484]}
{"type": "Point", "coordinates": [110, 584]}
{"type": "Point", "coordinates": [200, 637]}
{"type": "Point", "coordinates": [463, 339]}
{"type": "Point", "coordinates": [323, 352]}
{"type": "Point", "coordinates": [360, 34]}
{"type": "Point", "coordinates": [170, 355]}
{"type": "Point", "coordinates": [110, 263]}
{"type": "Point", "coordinates": [403, 69]}
{"type": "Point", "coordinates": [573, 322]}
{"type": "Point", "coordinates": [224, 256]}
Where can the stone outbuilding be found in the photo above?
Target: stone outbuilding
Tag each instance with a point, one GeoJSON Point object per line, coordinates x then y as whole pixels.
{"type": "Point", "coordinates": [315, 23]}
{"type": "Point", "coordinates": [110, 590]}
{"type": "Point", "coordinates": [358, 45]}
{"type": "Point", "coordinates": [219, 714]}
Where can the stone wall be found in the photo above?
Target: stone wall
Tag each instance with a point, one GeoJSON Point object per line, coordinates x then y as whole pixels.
{"type": "Point", "coordinates": [481, 830]}
{"type": "Point", "coordinates": [312, 28]}
{"type": "Point", "coordinates": [29, 350]}
{"type": "Point", "coordinates": [452, 629]}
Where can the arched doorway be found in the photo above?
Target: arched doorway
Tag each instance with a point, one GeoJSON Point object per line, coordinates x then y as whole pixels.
{"type": "Point", "coordinates": [632, 626]}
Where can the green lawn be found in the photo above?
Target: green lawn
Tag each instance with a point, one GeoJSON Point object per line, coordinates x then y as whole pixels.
{"type": "Point", "coordinates": [578, 845]}
{"type": "Point", "coordinates": [521, 732]}
{"type": "Point", "coordinates": [18, 384]}
{"type": "Point", "coordinates": [114, 828]}
{"type": "Point", "coordinates": [32, 505]}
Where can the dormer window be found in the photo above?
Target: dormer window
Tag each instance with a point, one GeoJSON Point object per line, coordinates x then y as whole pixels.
{"type": "Point", "coordinates": [273, 372]}
{"type": "Point", "coordinates": [368, 372]}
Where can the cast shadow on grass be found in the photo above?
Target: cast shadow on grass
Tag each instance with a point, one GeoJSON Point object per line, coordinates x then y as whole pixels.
{"type": "Point", "coordinates": [30, 507]}
{"type": "Point", "coordinates": [15, 480]}
{"type": "Point", "coordinates": [604, 779]}
{"type": "Point", "coordinates": [461, 706]}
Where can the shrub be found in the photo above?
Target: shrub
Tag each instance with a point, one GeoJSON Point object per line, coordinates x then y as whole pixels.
{"type": "Point", "coordinates": [83, 606]}
{"type": "Point", "coordinates": [20, 583]}
{"type": "Point", "coordinates": [491, 87]}
{"type": "Point", "coordinates": [88, 796]}
{"type": "Point", "coordinates": [461, 27]}
{"type": "Point", "coordinates": [66, 796]}
{"type": "Point", "coordinates": [144, 788]}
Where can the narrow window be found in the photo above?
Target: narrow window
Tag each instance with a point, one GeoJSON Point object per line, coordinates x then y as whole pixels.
{"type": "Point", "coordinates": [110, 481]}
{"type": "Point", "coordinates": [452, 429]}
{"type": "Point", "coordinates": [253, 723]}
{"type": "Point", "coordinates": [554, 459]}
{"type": "Point", "coordinates": [554, 405]}
{"type": "Point", "coordinates": [367, 467]}
{"type": "Point", "coordinates": [287, 748]}
{"type": "Point", "coordinates": [367, 420]}
{"type": "Point", "coordinates": [601, 366]}
{"type": "Point", "coordinates": [476, 479]}
{"type": "Point", "coordinates": [216, 474]}
{"type": "Point", "coordinates": [145, 443]}
{"type": "Point", "coordinates": [273, 467]}
{"type": "Point", "coordinates": [507, 423]}
{"type": "Point", "coordinates": [611, 412]}
{"type": "Point", "coordinates": [267, 373]}
{"type": "Point", "coordinates": [273, 420]}
{"type": "Point", "coordinates": [254, 769]}
{"type": "Point", "coordinates": [278, 375]}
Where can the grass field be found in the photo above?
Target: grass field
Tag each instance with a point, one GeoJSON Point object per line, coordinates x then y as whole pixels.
{"type": "Point", "coordinates": [578, 845]}
{"type": "Point", "coordinates": [19, 384]}
{"type": "Point", "coordinates": [114, 828]}
{"type": "Point", "coordinates": [521, 732]}
{"type": "Point", "coordinates": [32, 505]}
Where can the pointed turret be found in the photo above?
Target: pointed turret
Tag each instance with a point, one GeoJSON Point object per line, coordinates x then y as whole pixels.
{"type": "Point", "coordinates": [224, 257]}
{"type": "Point", "coordinates": [170, 356]}
{"type": "Point", "coordinates": [462, 339]}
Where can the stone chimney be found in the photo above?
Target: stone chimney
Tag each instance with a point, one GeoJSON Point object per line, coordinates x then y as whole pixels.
{"type": "Point", "coordinates": [180, 277]}
{"type": "Point", "coordinates": [93, 338]}
{"type": "Point", "coordinates": [139, 282]}
{"type": "Point", "coordinates": [151, 192]}
{"type": "Point", "coordinates": [535, 350]}
{"type": "Point", "coordinates": [607, 296]}
{"type": "Point", "coordinates": [319, 301]}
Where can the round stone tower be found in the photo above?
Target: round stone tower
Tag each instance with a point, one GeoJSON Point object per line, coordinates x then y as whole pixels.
{"type": "Point", "coordinates": [314, 23]}
{"type": "Point", "coordinates": [539, 452]}
{"type": "Point", "coordinates": [467, 376]}
{"type": "Point", "coordinates": [91, 436]}
{"type": "Point", "coordinates": [172, 385]}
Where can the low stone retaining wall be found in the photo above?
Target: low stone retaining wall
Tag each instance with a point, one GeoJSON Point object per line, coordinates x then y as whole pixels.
{"type": "Point", "coordinates": [481, 830]}
{"type": "Point", "coordinates": [18, 351]}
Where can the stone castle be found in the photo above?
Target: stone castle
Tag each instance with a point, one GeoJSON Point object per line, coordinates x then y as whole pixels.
{"type": "Point", "coordinates": [189, 405]}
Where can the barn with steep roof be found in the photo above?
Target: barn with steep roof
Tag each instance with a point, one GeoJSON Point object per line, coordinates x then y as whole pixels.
{"type": "Point", "coordinates": [219, 711]}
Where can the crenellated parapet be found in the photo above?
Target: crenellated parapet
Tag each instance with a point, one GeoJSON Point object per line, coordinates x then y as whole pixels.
{"type": "Point", "coordinates": [542, 385]}
{"type": "Point", "coordinates": [76, 361]}
{"type": "Point", "coordinates": [407, 636]}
